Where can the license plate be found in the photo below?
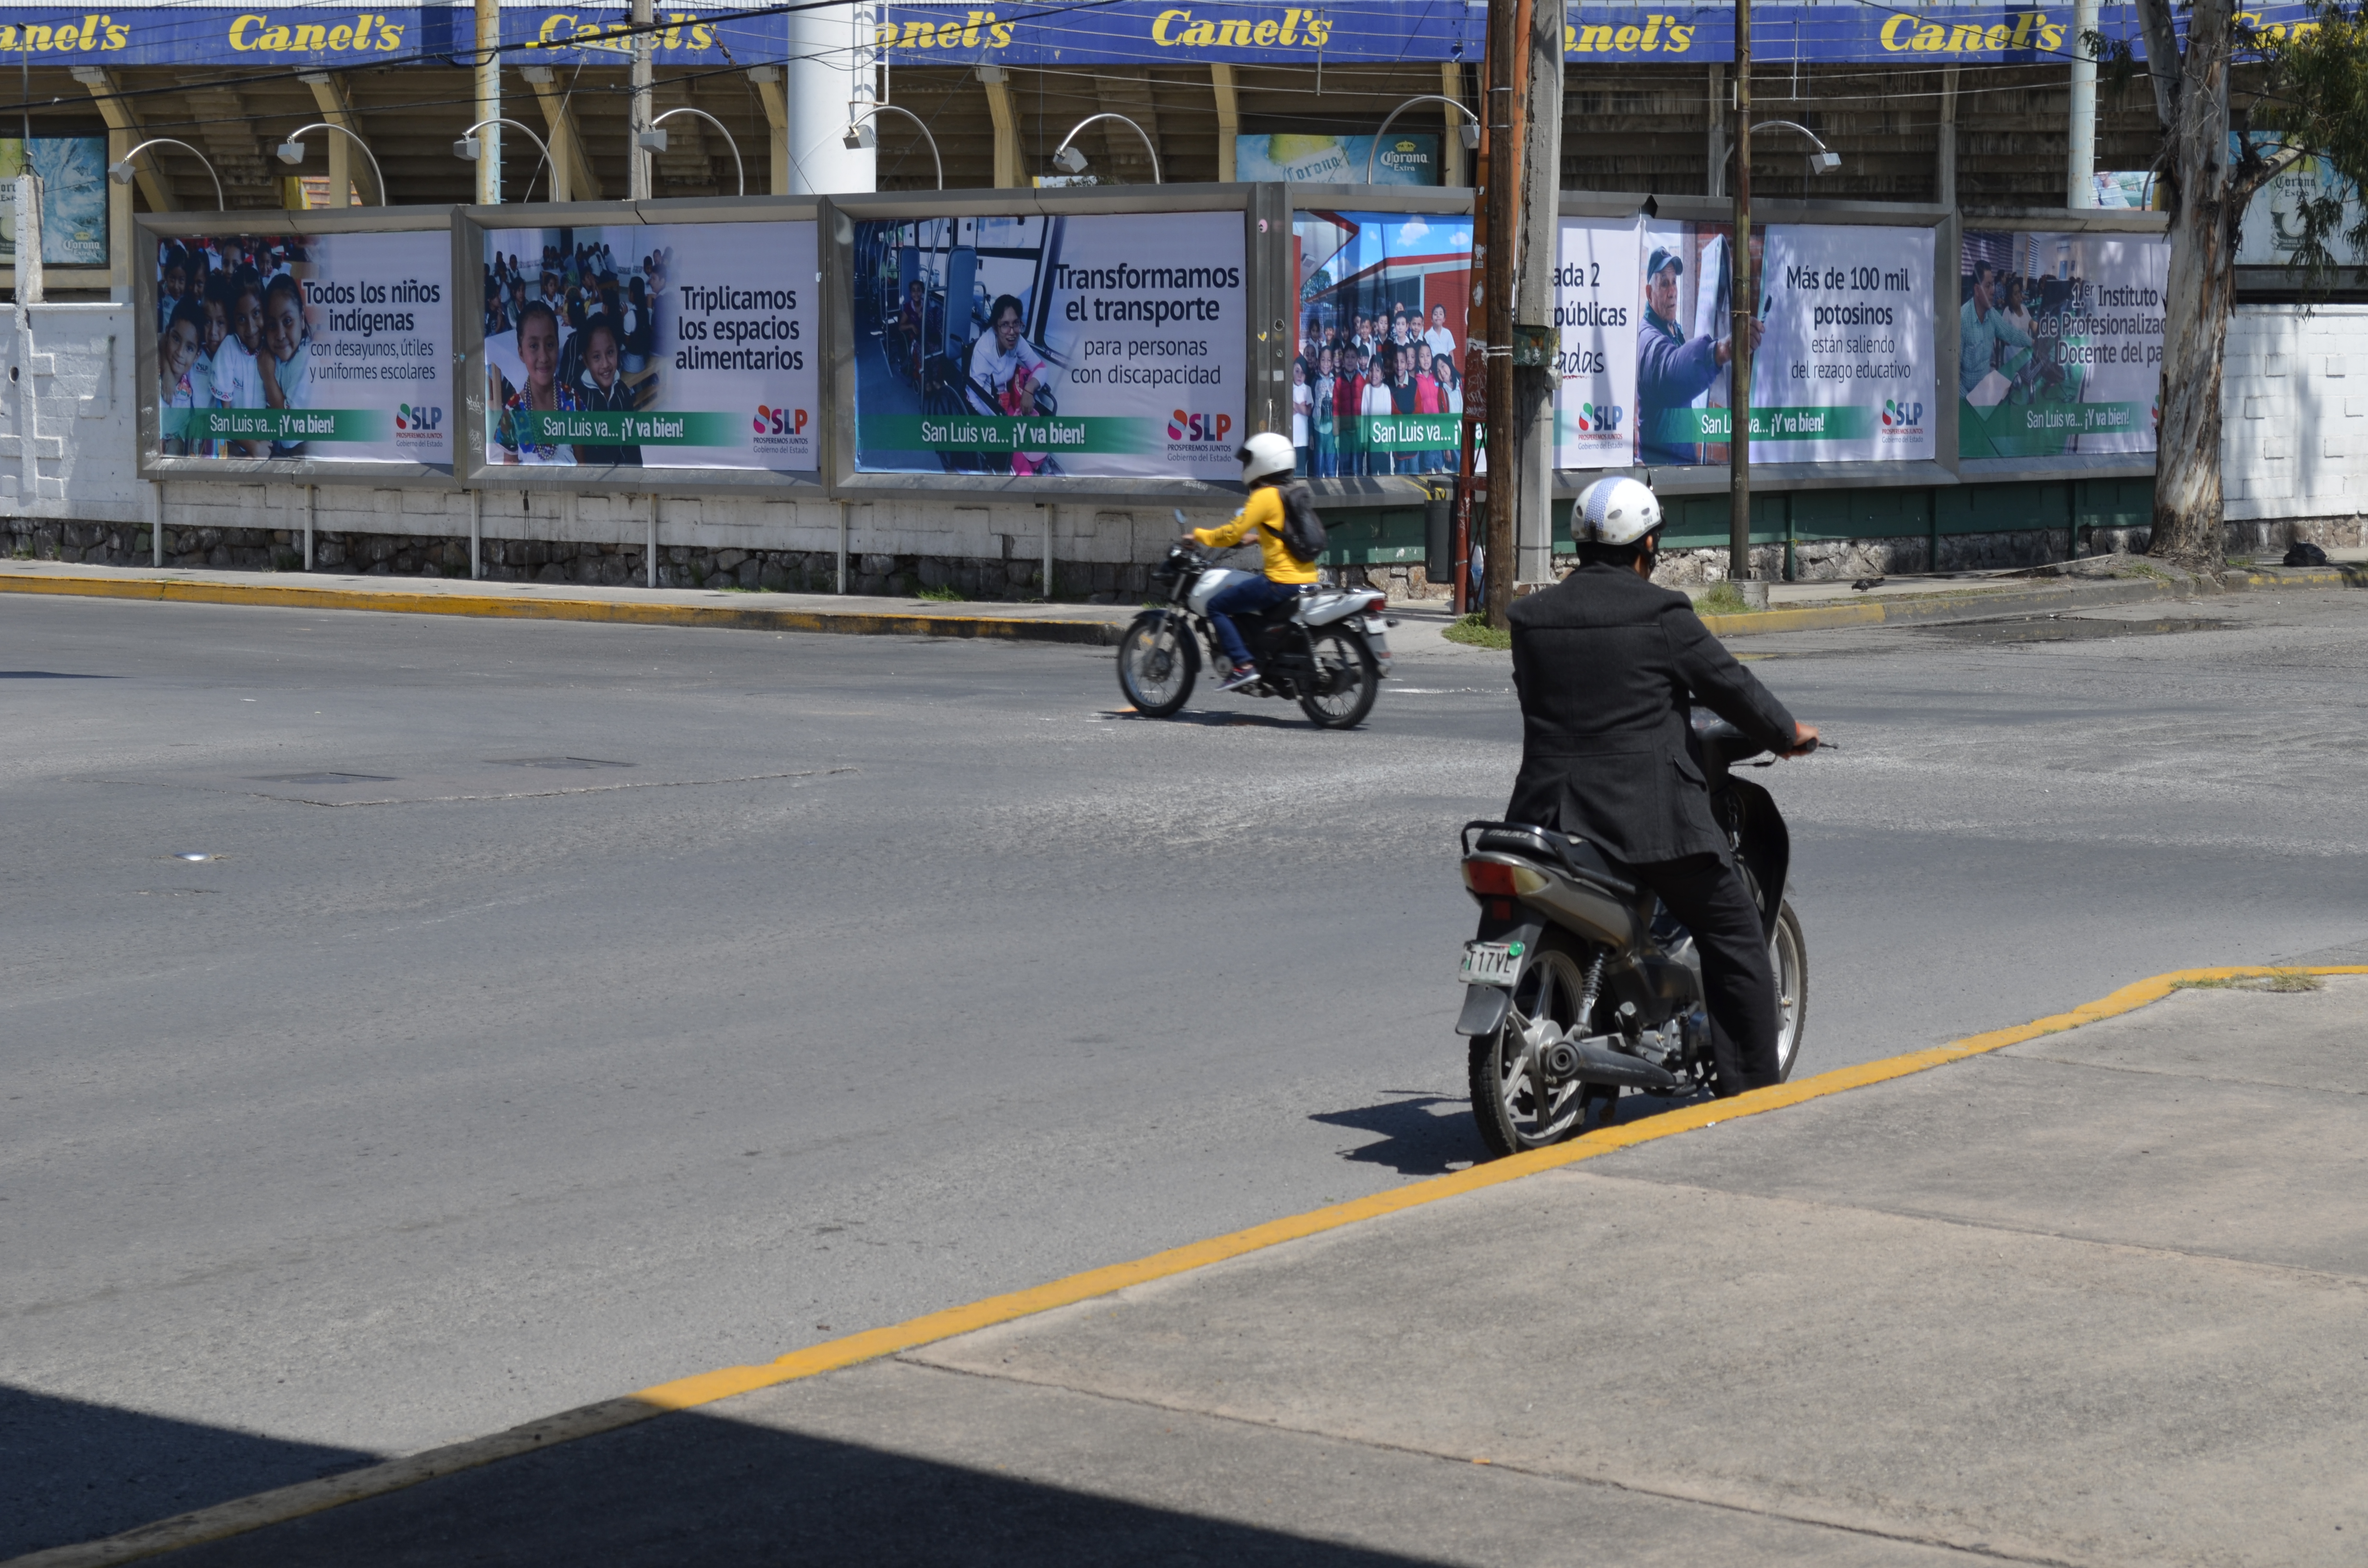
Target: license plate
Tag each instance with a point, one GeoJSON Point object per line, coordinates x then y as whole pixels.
{"type": "Point", "coordinates": [1491, 963]}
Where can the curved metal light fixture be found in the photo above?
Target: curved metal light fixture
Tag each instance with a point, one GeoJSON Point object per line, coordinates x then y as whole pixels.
{"type": "Point", "coordinates": [470, 149]}
{"type": "Point", "coordinates": [122, 170]}
{"type": "Point", "coordinates": [1071, 162]}
{"type": "Point", "coordinates": [1471, 133]}
{"type": "Point", "coordinates": [292, 152]}
{"type": "Point", "coordinates": [1823, 161]}
{"type": "Point", "coordinates": [658, 145]}
{"type": "Point", "coordinates": [855, 136]}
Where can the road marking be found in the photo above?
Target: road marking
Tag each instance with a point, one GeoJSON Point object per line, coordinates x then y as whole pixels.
{"type": "Point", "coordinates": [265, 1508]}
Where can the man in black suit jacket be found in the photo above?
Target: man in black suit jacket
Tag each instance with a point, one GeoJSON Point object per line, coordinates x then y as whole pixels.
{"type": "Point", "coordinates": [1608, 667]}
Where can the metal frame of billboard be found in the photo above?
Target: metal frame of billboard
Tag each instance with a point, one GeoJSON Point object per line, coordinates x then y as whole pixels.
{"type": "Point", "coordinates": [149, 227]}
{"type": "Point", "coordinates": [471, 225]}
{"type": "Point", "coordinates": [1266, 211]}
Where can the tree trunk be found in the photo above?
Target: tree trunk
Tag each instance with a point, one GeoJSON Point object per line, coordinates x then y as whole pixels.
{"type": "Point", "coordinates": [2200, 294]}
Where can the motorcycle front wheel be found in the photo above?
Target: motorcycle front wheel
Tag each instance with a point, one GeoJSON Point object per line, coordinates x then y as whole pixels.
{"type": "Point", "coordinates": [1788, 955]}
{"type": "Point", "coordinates": [1157, 664]}
{"type": "Point", "coordinates": [1516, 1106]}
{"type": "Point", "coordinates": [1347, 678]}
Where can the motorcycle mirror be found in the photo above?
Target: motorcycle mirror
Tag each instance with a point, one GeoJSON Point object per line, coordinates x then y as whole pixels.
{"type": "Point", "coordinates": [1182, 521]}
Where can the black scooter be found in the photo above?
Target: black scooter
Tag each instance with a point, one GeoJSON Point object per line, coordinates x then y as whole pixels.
{"type": "Point", "coordinates": [1582, 987]}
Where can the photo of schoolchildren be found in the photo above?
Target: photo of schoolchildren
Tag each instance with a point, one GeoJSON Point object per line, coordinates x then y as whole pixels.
{"type": "Point", "coordinates": [1382, 300]}
{"type": "Point", "coordinates": [237, 304]}
{"type": "Point", "coordinates": [569, 326]}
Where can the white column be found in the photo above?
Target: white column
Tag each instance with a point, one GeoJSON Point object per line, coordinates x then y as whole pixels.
{"type": "Point", "coordinates": [2080, 159]}
{"type": "Point", "coordinates": [830, 70]}
{"type": "Point", "coordinates": [489, 104]}
{"type": "Point", "coordinates": [637, 157]}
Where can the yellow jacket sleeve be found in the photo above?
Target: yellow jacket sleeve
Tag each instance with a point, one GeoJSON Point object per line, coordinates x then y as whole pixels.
{"type": "Point", "coordinates": [1261, 516]}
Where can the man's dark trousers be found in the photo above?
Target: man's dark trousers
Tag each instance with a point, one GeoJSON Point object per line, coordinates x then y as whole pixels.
{"type": "Point", "coordinates": [1707, 892]}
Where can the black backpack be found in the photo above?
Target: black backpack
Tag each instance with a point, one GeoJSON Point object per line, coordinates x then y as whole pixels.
{"type": "Point", "coordinates": [2301, 552]}
{"type": "Point", "coordinates": [1303, 530]}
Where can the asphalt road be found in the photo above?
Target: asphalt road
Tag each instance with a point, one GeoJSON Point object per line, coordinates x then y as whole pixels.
{"type": "Point", "coordinates": [884, 974]}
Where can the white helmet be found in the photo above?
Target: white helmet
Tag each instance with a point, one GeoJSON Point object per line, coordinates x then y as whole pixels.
{"type": "Point", "coordinates": [1615, 511]}
{"type": "Point", "coordinates": [1265, 454]}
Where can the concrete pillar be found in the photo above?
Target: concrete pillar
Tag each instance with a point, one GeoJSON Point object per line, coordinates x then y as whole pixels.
{"type": "Point", "coordinates": [1452, 169]}
{"type": "Point", "coordinates": [777, 125]}
{"type": "Point", "coordinates": [1229, 117]}
{"type": "Point", "coordinates": [637, 157]}
{"type": "Point", "coordinates": [1714, 142]}
{"type": "Point", "coordinates": [2080, 155]}
{"type": "Point", "coordinates": [1944, 171]}
{"type": "Point", "coordinates": [489, 101]}
{"type": "Point", "coordinates": [1007, 127]}
{"type": "Point", "coordinates": [831, 60]}
{"type": "Point", "coordinates": [348, 170]}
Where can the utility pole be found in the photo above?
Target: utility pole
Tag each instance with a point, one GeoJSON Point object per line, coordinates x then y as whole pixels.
{"type": "Point", "coordinates": [1475, 351]}
{"type": "Point", "coordinates": [1536, 244]}
{"type": "Point", "coordinates": [2079, 174]}
{"type": "Point", "coordinates": [1745, 301]}
{"type": "Point", "coordinates": [1508, 28]}
{"type": "Point", "coordinates": [637, 164]}
{"type": "Point", "coordinates": [489, 106]}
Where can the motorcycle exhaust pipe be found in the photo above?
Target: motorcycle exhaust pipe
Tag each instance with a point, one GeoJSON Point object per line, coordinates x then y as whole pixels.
{"type": "Point", "coordinates": [1599, 1064]}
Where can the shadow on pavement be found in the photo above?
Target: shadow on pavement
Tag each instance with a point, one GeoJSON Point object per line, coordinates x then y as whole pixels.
{"type": "Point", "coordinates": [1421, 1133]}
{"type": "Point", "coordinates": [692, 1488]}
{"type": "Point", "coordinates": [70, 1471]}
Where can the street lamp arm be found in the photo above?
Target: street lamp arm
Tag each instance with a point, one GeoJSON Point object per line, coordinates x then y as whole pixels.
{"type": "Point", "coordinates": [738, 167]}
{"type": "Point", "coordinates": [1759, 126]}
{"type": "Point", "coordinates": [1419, 99]}
{"type": "Point", "coordinates": [1139, 130]}
{"type": "Point", "coordinates": [120, 170]}
{"type": "Point", "coordinates": [908, 114]}
{"type": "Point", "coordinates": [376, 173]}
{"type": "Point", "coordinates": [529, 130]}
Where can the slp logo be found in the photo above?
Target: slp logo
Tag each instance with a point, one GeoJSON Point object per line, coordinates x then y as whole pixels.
{"type": "Point", "coordinates": [779, 421]}
{"type": "Point", "coordinates": [421, 418]}
{"type": "Point", "coordinates": [1593, 419]}
{"type": "Point", "coordinates": [1183, 427]}
{"type": "Point", "coordinates": [1901, 415]}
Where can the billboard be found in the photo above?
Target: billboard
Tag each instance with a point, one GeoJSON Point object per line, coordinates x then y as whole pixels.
{"type": "Point", "coordinates": [1844, 372]}
{"type": "Point", "coordinates": [73, 171]}
{"type": "Point", "coordinates": [330, 346]}
{"type": "Point", "coordinates": [653, 346]}
{"type": "Point", "coordinates": [1300, 157]}
{"type": "Point", "coordinates": [1092, 346]}
{"type": "Point", "coordinates": [1597, 299]}
{"type": "Point", "coordinates": [1379, 347]}
{"type": "Point", "coordinates": [2060, 342]}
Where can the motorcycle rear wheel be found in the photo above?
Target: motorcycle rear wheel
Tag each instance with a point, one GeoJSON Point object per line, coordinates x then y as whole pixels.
{"type": "Point", "coordinates": [1157, 663]}
{"type": "Point", "coordinates": [1507, 1101]}
{"type": "Point", "coordinates": [1347, 676]}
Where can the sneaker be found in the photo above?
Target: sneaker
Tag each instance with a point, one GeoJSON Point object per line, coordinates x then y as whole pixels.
{"type": "Point", "coordinates": [1244, 675]}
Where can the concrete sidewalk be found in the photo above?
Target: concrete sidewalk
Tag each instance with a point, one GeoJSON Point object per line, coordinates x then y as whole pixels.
{"type": "Point", "coordinates": [1792, 607]}
{"type": "Point", "coordinates": [2095, 1298]}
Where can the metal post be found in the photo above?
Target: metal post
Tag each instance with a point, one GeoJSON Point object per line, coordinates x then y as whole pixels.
{"type": "Point", "coordinates": [2080, 158]}
{"type": "Point", "coordinates": [649, 549]}
{"type": "Point", "coordinates": [1509, 27]}
{"type": "Point", "coordinates": [476, 535]}
{"type": "Point", "coordinates": [156, 525]}
{"type": "Point", "coordinates": [1745, 303]}
{"type": "Point", "coordinates": [843, 528]}
{"type": "Point", "coordinates": [1052, 518]}
{"type": "Point", "coordinates": [489, 106]}
{"type": "Point", "coordinates": [311, 516]}
{"type": "Point", "coordinates": [637, 157]}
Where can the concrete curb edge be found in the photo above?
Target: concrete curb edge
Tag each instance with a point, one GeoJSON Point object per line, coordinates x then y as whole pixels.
{"type": "Point", "coordinates": [1096, 633]}
{"type": "Point", "coordinates": [241, 1515]}
{"type": "Point", "coordinates": [1989, 605]}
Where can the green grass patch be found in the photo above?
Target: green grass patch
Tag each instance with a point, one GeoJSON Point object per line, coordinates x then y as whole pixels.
{"type": "Point", "coordinates": [2276, 980]}
{"type": "Point", "coordinates": [1725, 598]}
{"type": "Point", "coordinates": [944, 594]}
{"type": "Point", "coordinates": [1474, 631]}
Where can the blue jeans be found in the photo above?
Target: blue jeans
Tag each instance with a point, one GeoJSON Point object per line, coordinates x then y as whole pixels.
{"type": "Point", "coordinates": [1247, 597]}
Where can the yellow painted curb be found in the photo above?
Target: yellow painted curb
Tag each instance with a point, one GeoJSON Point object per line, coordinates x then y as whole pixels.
{"type": "Point", "coordinates": [502, 607]}
{"type": "Point", "coordinates": [246, 1514]}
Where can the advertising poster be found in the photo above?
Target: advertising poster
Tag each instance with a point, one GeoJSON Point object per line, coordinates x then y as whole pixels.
{"type": "Point", "coordinates": [1400, 159]}
{"type": "Point", "coordinates": [1683, 343]}
{"type": "Point", "coordinates": [1094, 345]}
{"type": "Point", "coordinates": [2060, 344]}
{"type": "Point", "coordinates": [73, 171]}
{"type": "Point", "coordinates": [1377, 367]}
{"type": "Point", "coordinates": [333, 347]}
{"type": "Point", "coordinates": [653, 346]}
{"type": "Point", "coordinates": [1597, 297]}
{"type": "Point", "coordinates": [1843, 372]}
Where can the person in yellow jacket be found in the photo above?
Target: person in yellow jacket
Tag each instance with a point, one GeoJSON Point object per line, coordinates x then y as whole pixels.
{"type": "Point", "coordinates": [1267, 462]}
